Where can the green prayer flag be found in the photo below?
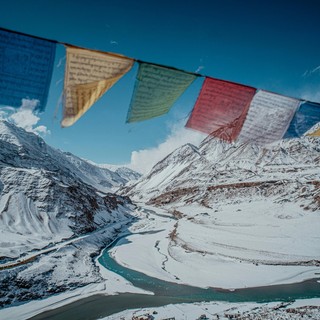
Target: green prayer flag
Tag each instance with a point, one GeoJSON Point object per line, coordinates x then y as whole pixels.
{"type": "Point", "coordinates": [156, 90]}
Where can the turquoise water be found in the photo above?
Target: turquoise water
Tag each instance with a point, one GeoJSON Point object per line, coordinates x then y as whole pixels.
{"type": "Point", "coordinates": [99, 306]}
{"type": "Point", "coordinates": [306, 289]}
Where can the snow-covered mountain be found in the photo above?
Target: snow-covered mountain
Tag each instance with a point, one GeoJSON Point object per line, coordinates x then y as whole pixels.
{"type": "Point", "coordinates": [56, 213]}
{"type": "Point", "coordinates": [47, 195]}
{"type": "Point", "coordinates": [244, 215]}
{"type": "Point", "coordinates": [100, 176]}
{"type": "Point", "coordinates": [218, 171]}
{"type": "Point", "coordinates": [126, 173]}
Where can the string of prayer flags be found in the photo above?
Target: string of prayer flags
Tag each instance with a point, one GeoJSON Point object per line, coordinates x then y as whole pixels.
{"type": "Point", "coordinates": [221, 108]}
{"type": "Point", "coordinates": [268, 118]}
{"type": "Point", "coordinates": [226, 110]}
{"type": "Point", "coordinates": [26, 65]}
{"type": "Point", "coordinates": [88, 75]}
{"type": "Point", "coordinates": [156, 90]}
{"type": "Point", "coordinates": [305, 118]}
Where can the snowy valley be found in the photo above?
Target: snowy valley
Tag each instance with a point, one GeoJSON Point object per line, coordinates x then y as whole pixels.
{"type": "Point", "coordinates": [248, 215]}
{"type": "Point", "coordinates": [220, 215]}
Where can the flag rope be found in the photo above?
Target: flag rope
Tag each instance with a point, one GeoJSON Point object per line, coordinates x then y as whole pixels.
{"type": "Point", "coordinates": [141, 61]}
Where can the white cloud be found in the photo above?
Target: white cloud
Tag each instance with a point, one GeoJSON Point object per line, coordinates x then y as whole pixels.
{"type": "Point", "coordinates": [59, 81]}
{"type": "Point", "coordinates": [4, 113]}
{"type": "Point", "coordinates": [317, 69]}
{"type": "Point", "coordinates": [61, 62]}
{"type": "Point", "coordinates": [24, 117]}
{"type": "Point", "coordinates": [143, 160]}
{"type": "Point", "coordinates": [311, 94]}
{"type": "Point", "coordinates": [199, 69]}
{"type": "Point", "coordinates": [308, 73]}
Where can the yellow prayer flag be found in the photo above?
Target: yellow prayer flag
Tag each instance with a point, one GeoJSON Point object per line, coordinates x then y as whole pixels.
{"type": "Point", "coordinates": [315, 133]}
{"type": "Point", "coordinates": [89, 74]}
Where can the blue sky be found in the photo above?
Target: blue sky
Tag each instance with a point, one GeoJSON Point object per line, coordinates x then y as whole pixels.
{"type": "Point", "coordinates": [272, 45]}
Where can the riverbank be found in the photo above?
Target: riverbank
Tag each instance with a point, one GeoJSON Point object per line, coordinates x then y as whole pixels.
{"type": "Point", "coordinates": [235, 246]}
{"type": "Point", "coordinates": [148, 247]}
{"type": "Point", "coordinates": [114, 286]}
{"type": "Point", "coordinates": [296, 310]}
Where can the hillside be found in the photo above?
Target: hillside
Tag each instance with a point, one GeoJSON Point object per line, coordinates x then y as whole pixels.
{"type": "Point", "coordinates": [217, 171]}
{"type": "Point", "coordinates": [52, 202]}
{"type": "Point", "coordinates": [244, 215]}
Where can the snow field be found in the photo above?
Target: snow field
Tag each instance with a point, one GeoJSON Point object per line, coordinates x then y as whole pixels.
{"type": "Point", "coordinates": [232, 248]}
{"type": "Point", "coordinates": [226, 310]}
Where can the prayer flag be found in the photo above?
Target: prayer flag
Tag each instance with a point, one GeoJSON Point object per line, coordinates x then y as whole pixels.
{"type": "Point", "coordinates": [305, 118]}
{"type": "Point", "coordinates": [156, 90]}
{"type": "Point", "coordinates": [221, 108]}
{"type": "Point", "coordinates": [315, 133]}
{"type": "Point", "coordinates": [268, 118]}
{"type": "Point", "coordinates": [26, 65]}
{"type": "Point", "coordinates": [89, 74]}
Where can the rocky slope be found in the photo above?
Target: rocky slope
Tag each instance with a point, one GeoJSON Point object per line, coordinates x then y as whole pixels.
{"type": "Point", "coordinates": [246, 216]}
{"type": "Point", "coordinates": [217, 171]}
{"type": "Point", "coordinates": [49, 197]}
{"type": "Point", "coordinates": [102, 177]}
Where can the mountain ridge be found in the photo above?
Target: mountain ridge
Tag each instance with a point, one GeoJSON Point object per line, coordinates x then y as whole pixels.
{"type": "Point", "coordinates": [57, 212]}
{"type": "Point", "coordinates": [216, 163]}
{"type": "Point", "coordinates": [48, 195]}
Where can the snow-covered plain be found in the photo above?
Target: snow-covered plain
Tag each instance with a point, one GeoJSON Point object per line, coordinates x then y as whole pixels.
{"type": "Point", "coordinates": [300, 309]}
{"type": "Point", "coordinates": [235, 246]}
{"type": "Point", "coordinates": [175, 255]}
{"type": "Point", "coordinates": [189, 250]}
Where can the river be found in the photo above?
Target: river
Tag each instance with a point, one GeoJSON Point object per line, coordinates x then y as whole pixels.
{"type": "Point", "coordinates": [99, 306]}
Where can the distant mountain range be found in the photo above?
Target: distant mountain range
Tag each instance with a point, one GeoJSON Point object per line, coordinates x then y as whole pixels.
{"type": "Point", "coordinates": [218, 171]}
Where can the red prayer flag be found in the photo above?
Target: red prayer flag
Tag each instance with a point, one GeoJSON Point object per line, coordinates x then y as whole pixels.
{"type": "Point", "coordinates": [221, 108]}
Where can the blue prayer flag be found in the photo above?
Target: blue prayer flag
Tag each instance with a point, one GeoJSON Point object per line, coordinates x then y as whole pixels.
{"type": "Point", "coordinates": [26, 65]}
{"type": "Point", "coordinates": [305, 118]}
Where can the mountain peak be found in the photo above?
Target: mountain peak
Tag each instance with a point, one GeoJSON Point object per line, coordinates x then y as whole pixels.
{"type": "Point", "coordinates": [9, 132]}
{"type": "Point", "coordinates": [176, 157]}
{"type": "Point", "coordinates": [23, 149]}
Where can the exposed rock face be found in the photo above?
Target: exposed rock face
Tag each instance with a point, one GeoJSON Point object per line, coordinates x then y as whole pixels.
{"type": "Point", "coordinates": [48, 197]}
{"type": "Point", "coordinates": [105, 177]}
{"type": "Point", "coordinates": [219, 171]}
